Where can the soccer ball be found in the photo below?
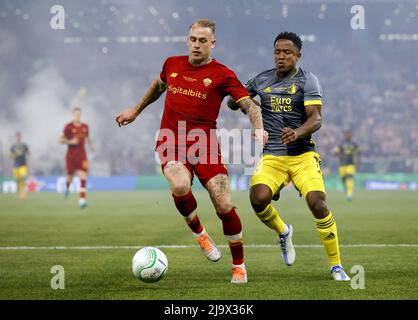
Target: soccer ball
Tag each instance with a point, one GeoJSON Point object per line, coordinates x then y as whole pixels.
{"type": "Point", "coordinates": [149, 264]}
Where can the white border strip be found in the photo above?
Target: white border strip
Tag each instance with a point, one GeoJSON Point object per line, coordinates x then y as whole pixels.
{"type": "Point", "coordinates": [371, 245]}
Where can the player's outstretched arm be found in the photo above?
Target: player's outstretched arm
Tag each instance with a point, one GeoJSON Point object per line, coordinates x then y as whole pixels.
{"type": "Point", "coordinates": [253, 111]}
{"type": "Point", "coordinates": [232, 104]}
{"type": "Point", "coordinates": [154, 91]}
{"type": "Point", "coordinates": [64, 140]}
{"type": "Point", "coordinates": [357, 158]}
{"type": "Point", "coordinates": [91, 144]}
{"type": "Point", "coordinates": [312, 124]}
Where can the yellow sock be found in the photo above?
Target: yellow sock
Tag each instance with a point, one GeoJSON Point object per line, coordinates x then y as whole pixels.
{"type": "Point", "coordinates": [327, 230]}
{"type": "Point", "coordinates": [21, 184]}
{"type": "Point", "coordinates": [350, 186]}
{"type": "Point", "coordinates": [270, 217]}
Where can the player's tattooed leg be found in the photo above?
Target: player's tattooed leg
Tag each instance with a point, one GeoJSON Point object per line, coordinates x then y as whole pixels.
{"type": "Point", "coordinates": [218, 188]}
{"type": "Point", "coordinates": [178, 177]}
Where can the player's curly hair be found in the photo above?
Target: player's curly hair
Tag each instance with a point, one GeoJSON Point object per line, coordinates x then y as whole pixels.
{"type": "Point", "coordinates": [290, 36]}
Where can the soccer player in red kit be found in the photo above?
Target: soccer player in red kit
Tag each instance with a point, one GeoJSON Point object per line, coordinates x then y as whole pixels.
{"type": "Point", "coordinates": [74, 135]}
{"type": "Point", "coordinates": [196, 85]}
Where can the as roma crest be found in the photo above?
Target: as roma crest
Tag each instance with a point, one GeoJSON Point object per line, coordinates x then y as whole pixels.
{"type": "Point", "coordinates": [207, 82]}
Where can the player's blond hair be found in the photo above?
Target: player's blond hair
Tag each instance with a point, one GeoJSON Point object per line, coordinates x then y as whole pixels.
{"type": "Point", "coordinates": [205, 23]}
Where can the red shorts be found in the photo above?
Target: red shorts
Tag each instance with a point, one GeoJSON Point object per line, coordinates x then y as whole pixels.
{"type": "Point", "coordinates": [203, 161]}
{"type": "Point", "coordinates": [76, 162]}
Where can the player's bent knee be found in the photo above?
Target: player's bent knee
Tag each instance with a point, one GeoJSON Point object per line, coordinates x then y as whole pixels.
{"type": "Point", "coordinates": [180, 188]}
{"type": "Point", "coordinates": [319, 208]}
{"type": "Point", "coordinates": [223, 207]}
{"type": "Point", "coordinates": [260, 198]}
{"type": "Point", "coordinates": [82, 175]}
{"type": "Point", "coordinates": [259, 204]}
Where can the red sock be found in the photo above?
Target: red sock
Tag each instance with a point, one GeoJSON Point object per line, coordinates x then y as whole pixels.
{"type": "Point", "coordinates": [237, 252]}
{"type": "Point", "coordinates": [186, 205]}
{"type": "Point", "coordinates": [195, 225]}
{"type": "Point", "coordinates": [232, 230]}
{"type": "Point", "coordinates": [83, 189]}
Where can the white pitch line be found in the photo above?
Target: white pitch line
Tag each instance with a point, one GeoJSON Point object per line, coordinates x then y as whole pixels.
{"type": "Point", "coordinates": [371, 245]}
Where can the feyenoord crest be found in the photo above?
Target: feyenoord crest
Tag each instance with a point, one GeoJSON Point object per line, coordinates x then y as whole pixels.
{"type": "Point", "coordinates": [207, 82]}
{"type": "Point", "coordinates": [293, 89]}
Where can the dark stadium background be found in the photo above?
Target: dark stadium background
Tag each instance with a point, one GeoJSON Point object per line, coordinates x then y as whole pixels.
{"type": "Point", "coordinates": [110, 51]}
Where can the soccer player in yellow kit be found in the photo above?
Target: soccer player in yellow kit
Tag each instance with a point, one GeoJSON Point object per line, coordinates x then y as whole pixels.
{"type": "Point", "coordinates": [19, 152]}
{"type": "Point", "coordinates": [349, 154]}
{"type": "Point", "coordinates": [291, 102]}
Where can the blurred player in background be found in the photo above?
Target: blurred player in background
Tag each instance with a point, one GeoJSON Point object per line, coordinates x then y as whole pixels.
{"type": "Point", "coordinates": [74, 135]}
{"type": "Point", "coordinates": [349, 154]}
{"type": "Point", "coordinates": [291, 101]}
{"type": "Point", "coordinates": [196, 85]}
{"type": "Point", "coordinates": [19, 152]}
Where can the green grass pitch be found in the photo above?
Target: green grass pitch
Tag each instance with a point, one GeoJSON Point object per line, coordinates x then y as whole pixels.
{"type": "Point", "coordinates": [144, 218]}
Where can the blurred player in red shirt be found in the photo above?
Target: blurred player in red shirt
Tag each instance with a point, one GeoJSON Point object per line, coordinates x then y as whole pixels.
{"type": "Point", "coordinates": [196, 85]}
{"type": "Point", "coordinates": [74, 135]}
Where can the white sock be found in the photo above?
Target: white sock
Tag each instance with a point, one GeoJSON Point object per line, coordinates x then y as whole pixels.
{"type": "Point", "coordinates": [197, 235]}
{"type": "Point", "coordinates": [286, 231]}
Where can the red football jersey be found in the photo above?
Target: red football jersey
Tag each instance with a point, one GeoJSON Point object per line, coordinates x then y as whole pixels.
{"type": "Point", "coordinates": [80, 132]}
{"type": "Point", "coordinates": [195, 93]}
